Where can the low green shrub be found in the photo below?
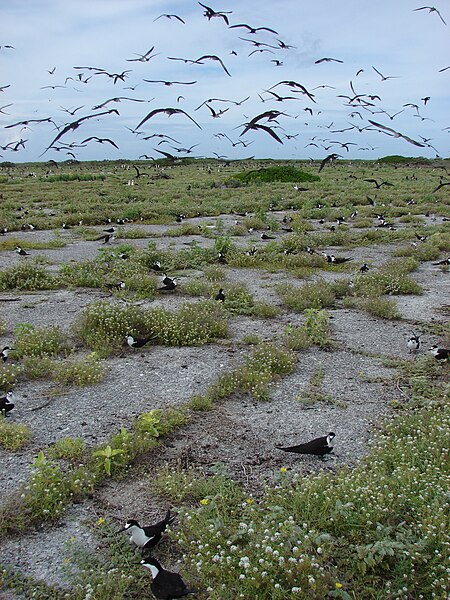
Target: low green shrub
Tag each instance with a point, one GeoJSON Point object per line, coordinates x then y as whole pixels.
{"type": "Point", "coordinates": [27, 276]}
{"type": "Point", "coordinates": [88, 370]}
{"type": "Point", "coordinates": [319, 294]}
{"type": "Point", "coordinates": [13, 436]}
{"type": "Point", "coordinates": [39, 341]}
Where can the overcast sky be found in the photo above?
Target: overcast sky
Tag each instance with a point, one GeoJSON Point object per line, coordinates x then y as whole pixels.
{"type": "Point", "coordinates": [52, 37]}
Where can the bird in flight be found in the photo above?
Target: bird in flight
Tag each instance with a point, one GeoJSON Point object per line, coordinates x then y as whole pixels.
{"type": "Point", "coordinates": [210, 13]}
{"type": "Point", "coordinates": [431, 9]}
{"type": "Point", "coordinates": [167, 111]}
{"type": "Point", "coordinates": [253, 29]}
{"type": "Point", "coordinates": [168, 83]}
{"type": "Point", "coordinates": [119, 99]}
{"type": "Point", "coordinates": [326, 59]}
{"type": "Point", "coordinates": [170, 17]}
{"type": "Point", "coordinates": [396, 133]}
{"type": "Point", "coordinates": [100, 141]}
{"type": "Point", "coordinates": [294, 84]}
{"type": "Point", "coordinates": [213, 57]}
{"type": "Point", "coordinates": [143, 57]}
{"type": "Point", "coordinates": [383, 78]}
{"type": "Point", "coordinates": [328, 160]}
{"type": "Point", "coordinates": [75, 124]}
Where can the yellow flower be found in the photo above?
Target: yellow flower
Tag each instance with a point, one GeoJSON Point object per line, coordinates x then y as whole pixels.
{"type": "Point", "coordinates": [205, 501]}
{"type": "Point", "coordinates": [283, 470]}
{"type": "Point", "coordinates": [100, 521]}
{"type": "Point", "coordinates": [249, 500]}
{"type": "Point", "coordinates": [338, 585]}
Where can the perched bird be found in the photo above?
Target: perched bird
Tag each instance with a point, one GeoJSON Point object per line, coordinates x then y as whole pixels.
{"type": "Point", "coordinates": [220, 297]}
{"type": "Point", "coordinates": [413, 344]}
{"type": "Point", "coordinates": [147, 537]}
{"type": "Point", "coordinates": [4, 353]}
{"type": "Point", "coordinates": [364, 268]}
{"type": "Point", "coordinates": [110, 230]}
{"type": "Point", "coordinates": [166, 585]}
{"type": "Point", "coordinates": [319, 446]}
{"type": "Point", "coordinates": [21, 252]}
{"type": "Point", "coordinates": [336, 260]}
{"type": "Point", "coordinates": [440, 353]}
{"type": "Point", "coordinates": [116, 286]}
{"type": "Point", "coordinates": [156, 266]}
{"type": "Point", "coordinates": [264, 236]}
{"type": "Point", "coordinates": [446, 261]}
{"type": "Point", "coordinates": [169, 284]}
{"type": "Point", "coordinates": [5, 403]}
{"type": "Point", "coordinates": [106, 238]}
{"type": "Point", "coordinates": [138, 342]}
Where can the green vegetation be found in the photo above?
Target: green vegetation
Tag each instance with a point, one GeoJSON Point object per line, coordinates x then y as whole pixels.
{"type": "Point", "coordinates": [13, 436]}
{"type": "Point", "coordinates": [271, 174]}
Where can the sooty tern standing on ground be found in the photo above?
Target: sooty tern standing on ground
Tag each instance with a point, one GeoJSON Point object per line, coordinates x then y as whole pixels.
{"type": "Point", "coordinates": [5, 403]}
{"type": "Point", "coordinates": [147, 537]}
{"type": "Point", "coordinates": [440, 353]}
{"type": "Point", "coordinates": [169, 284]}
{"type": "Point", "coordinates": [220, 296]}
{"type": "Point", "coordinates": [4, 353]}
{"type": "Point", "coordinates": [319, 446]}
{"type": "Point", "coordinates": [21, 252]}
{"type": "Point", "coordinates": [166, 585]}
{"type": "Point", "coordinates": [138, 342]}
{"type": "Point", "coordinates": [413, 344]}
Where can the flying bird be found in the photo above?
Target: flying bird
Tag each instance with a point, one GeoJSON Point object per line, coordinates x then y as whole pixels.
{"type": "Point", "coordinates": [396, 134]}
{"type": "Point", "coordinates": [328, 160]}
{"type": "Point", "coordinates": [167, 111]}
{"type": "Point", "coordinates": [379, 185]}
{"type": "Point", "coordinates": [215, 58]}
{"type": "Point", "coordinates": [253, 29]}
{"type": "Point", "coordinates": [383, 78]}
{"type": "Point", "coordinates": [143, 57]}
{"type": "Point", "coordinates": [326, 59]}
{"type": "Point", "coordinates": [101, 141]}
{"type": "Point", "coordinates": [75, 124]}
{"type": "Point", "coordinates": [431, 9]}
{"type": "Point", "coordinates": [210, 13]}
{"type": "Point", "coordinates": [170, 17]}
{"type": "Point", "coordinates": [300, 87]}
{"type": "Point", "coordinates": [168, 83]}
{"type": "Point", "coordinates": [319, 446]}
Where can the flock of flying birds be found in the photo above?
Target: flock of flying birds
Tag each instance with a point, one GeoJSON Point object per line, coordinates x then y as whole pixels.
{"type": "Point", "coordinates": [363, 108]}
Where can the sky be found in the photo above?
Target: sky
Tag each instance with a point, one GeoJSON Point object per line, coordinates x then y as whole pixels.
{"type": "Point", "coordinates": [328, 110]}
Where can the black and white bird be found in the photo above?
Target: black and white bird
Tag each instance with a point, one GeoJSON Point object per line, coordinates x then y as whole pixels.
{"type": "Point", "coordinates": [147, 537]}
{"type": "Point", "coordinates": [364, 268]}
{"type": "Point", "coordinates": [166, 585]}
{"type": "Point", "coordinates": [4, 353]}
{"type": "Point", "coordinates": [169, 284]}
{"type": "Point", "coordinates": [413, 344]}
{"type": "Point", "coordinates": [5, 403]}
{"type": "Point", "coordinates": [21, 252]}
{"type": "Point", "coordinates": [336, 260]}
{"type": "Point", "coordinates": [156, 266]}
{"type": "Point", "coordinates": [110, 230]}
{"type": "Point", "coordinates": [106, 238]}
{"type": "Point", "coordinates": [446, 261]}
{"type": "Point", "coordinates": [139, 342]}
{"type": "Point", "coordinates": [319, 446]}
{"type": "Point", "coordinates": [220, 297]}
{"type": "Point", "coordinates": [264, 236]}
{"type": "Point", "coordinates": [120, 285]}
{"type": "Point", "coordinates": [440, 353]}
